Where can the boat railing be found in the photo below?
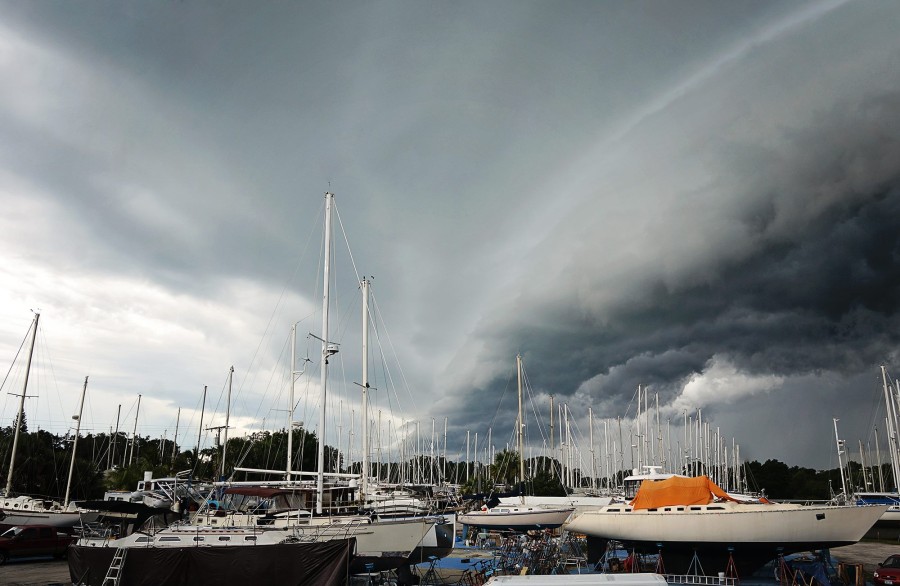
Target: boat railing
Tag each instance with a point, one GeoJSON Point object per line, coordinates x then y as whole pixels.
{"type": "Point", "coordinates": [315, 532]}
{"type": "Point", "coordinates": [700, 580]}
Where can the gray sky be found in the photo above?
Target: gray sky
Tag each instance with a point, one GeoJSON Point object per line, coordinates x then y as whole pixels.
{"type": "Point", "coordinates": [698, 197]}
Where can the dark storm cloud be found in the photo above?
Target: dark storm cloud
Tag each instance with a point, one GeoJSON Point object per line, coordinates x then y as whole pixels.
{"type": "Point", "coordinates": [817, 292]}
{"type": "Point", "coordinates": [625, 194]}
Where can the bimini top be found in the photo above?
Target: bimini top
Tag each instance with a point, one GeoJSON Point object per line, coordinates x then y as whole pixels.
{"type": "Point", "coordinates": [677, 490]}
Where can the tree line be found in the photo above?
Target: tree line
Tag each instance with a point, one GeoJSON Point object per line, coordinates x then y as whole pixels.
{"type": "Point", "coordinates": [116, 462]}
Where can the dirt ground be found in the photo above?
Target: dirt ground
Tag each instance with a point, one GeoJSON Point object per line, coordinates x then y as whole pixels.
{"type": "Point", "coordinates": [34, 572]}
{"type": "Point", "coordinates": [868, 553]}
{"type": "Point", "coordinates": [47, 572]}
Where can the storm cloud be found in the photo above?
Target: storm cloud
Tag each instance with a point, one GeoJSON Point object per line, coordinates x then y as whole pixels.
{"type": "Point", "coordinates": [697, 198]}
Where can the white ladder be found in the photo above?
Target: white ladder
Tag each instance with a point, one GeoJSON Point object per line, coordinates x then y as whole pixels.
{"type": "Point", "coordinates": [114, 573]}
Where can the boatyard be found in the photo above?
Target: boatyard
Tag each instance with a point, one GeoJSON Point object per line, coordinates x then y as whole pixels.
{"type": "Point", "coordinates": [45, 572]}
{"type": "Point", "coordinates": [450, 293]}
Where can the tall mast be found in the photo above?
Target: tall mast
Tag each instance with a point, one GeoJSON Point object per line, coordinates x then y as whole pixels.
{"type": "Point", "coordinates": [12, 459]}
{"type": "Point", "coordinates": [175, 439]}
{"type": "Point", "coordinates": [326, 352]}
{"type": "Point", "coordinates": [365, 386]}
{"type": "Point", "coordinates": [444, 459]}
{"type": "Point", "coordinates": [593, 461]}
{"type": "Point", "coordinates": [521, 427]}
{"type": "Point", "coordinates": [227, 419]}
{"type": "Point", "coordinates": [290, 422]}
{"type": "Point", "coordinates": [840, 452]}
{"type": "Point", "coordinates": [891, 429]}
{"type": "Point", "coordinates": [468, 458]}
{"type": "Point", "coordinates": [552, 446]}
{"type": "Point", "coordinates": [200, 430]}
{"type": "Point", "coordinates": [134, 431]}
{"type": "Point", "coordinates": [112, 448]}
{"type": "Point", "coordinates": [75, 443]}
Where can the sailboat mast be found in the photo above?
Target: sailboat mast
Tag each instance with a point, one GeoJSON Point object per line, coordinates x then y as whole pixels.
{"type": "Point", "coordinates": [199, 430]}
{"type": "Point", "coordinates": [521, 427]}
{"type": "Point", "coordinates": [320, 472]}
{"type": "Point", "coordinates": [840, 452]}
{"type": "Point", "coordinates": [891, 429]}
{"type": "Point", "coordinates": [112, 447]}
{"type": "Point", "coordinates": [175, 439]}
{"type": "Point", "coordinates": [365, 387]}
{"type": "Point", "coordinates": [227, 419]}
{"type": "Point", "coordinates": [593, 460]}
{"type": "Point", "coordinates": [552, 447]}
{"type": "Point", "coordinates": [290, 423]}
{"type": "Point", "coordinates": [75, 444]}
{"type": "Point", "coordinates": [134, 431]}
{"type": "Point", "coordinates": [12, 459]}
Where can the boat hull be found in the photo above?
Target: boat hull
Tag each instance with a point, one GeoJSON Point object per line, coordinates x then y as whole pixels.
{"type": "Point", "coordinates": [323, 564]}
{"type": "Point", "coordinates": [517, 518]}
{"type": "Point", "coordinates": [381, 545]}
{"type": "Point", "coordinates": [63, 521]}
{"type": "Point", "coordinates": [750, 534]}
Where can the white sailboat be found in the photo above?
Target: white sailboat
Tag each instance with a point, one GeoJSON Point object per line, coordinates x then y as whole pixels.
{"type": "Point", "coordinates": [297, 510]}
{"type": "Point", "coordinates": [30, 510]}
{"type": "Point", "coordinates": [889, 523]}
{"type": "Point", "coordinates": [522, 515]}
{"type": "Point", "coordinates": [680, 517]}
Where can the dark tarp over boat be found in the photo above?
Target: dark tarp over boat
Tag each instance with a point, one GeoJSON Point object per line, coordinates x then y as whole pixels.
{"type": "Point", "coordinates": [306, 564]}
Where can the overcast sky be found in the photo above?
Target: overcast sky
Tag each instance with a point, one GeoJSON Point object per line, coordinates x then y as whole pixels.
{"type": "Point", "coordinates": [699, 197]}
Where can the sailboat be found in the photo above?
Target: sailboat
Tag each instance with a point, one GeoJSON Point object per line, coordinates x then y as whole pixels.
{"type": "Point", "coordinates": [889, 523]}
{"type": "Point", "coordinates": [520, 516]}
{"type": "Point", "coordinates": [30, 510]}
{"type": "Point", "coordinates": [302, 511]}
{"type": "Point", "coordinates": [682, 517]}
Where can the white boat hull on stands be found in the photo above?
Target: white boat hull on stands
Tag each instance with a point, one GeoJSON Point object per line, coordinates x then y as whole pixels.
{"type": "Point", "coordinates": [752, 534]}
{"type": "Point", "coordinates": [517, 517]}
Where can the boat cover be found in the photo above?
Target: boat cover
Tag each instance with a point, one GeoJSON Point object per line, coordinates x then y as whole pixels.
{"type": "Point", "coordinates": [309, 564]}
{"type": "Point", "coordinates": [677, 490]}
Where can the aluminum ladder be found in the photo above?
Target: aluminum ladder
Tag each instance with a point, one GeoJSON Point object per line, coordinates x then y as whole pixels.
{"type": "Point", "coordinates": [114, 573]}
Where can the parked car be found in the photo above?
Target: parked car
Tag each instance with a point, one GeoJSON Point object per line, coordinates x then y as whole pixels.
{"type": "Point", "coordinates": [33, 540]}
{"type": "Point", "coordinates": [888, 572]}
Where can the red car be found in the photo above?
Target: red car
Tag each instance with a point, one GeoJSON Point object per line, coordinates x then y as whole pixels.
{"type": "Point", "coordinates": [888, 572]}
{"type": "Point", "coordinates": [33, 540]}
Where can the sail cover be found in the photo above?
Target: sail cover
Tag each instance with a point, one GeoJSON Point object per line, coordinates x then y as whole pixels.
{"type": "Point", "coordinates": [307, 564]}
{"type": "Point", "coordinates": [677, 490]}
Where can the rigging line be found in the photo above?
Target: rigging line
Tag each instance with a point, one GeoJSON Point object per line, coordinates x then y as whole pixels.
{"type": "Point", "coordinates": [219, 402]}
{"type": "Point", "coordinates": [390, 344]}
{"type": "Point", "coordinates": [275, 370]}
{"type": "Point", "coordinates": [528, 389]}
{"type": "Point", "coordinates": [16, 357]}
{"type": "Point", "coordinates": [347, 242]}
{"type": "Point", "coordinates": [275, 310]}
{"type": "Point", "coordinates": [46, 351]}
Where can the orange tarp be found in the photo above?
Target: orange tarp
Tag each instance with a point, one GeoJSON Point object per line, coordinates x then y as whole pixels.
{"type": "Point", "coordinates": [677, 490]}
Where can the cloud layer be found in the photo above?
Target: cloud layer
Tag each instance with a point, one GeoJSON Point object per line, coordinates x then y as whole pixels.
{"type": "Point", "coordinates": [699, 199]}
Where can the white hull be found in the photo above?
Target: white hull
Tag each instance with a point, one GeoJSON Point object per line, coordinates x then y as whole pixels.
{"type": "Point", "coordinates": [378, 539]}
{"type": "Point", "coordinates": [387, 538]}
{"type": "Point", "coordinates": [26, 510]}
{"type": "Point", "coordinates": [580, 503]}
{"type": "Point", "coordinates": [502, 517]}
{"type": "Point", "coordinates": [55, 519]}
{"type": "Point", "coordinates": [726, 533]}
{"type": "Point", "coordinates": [193, 536]}
{"type": "Point", "coordinates": [380, 545]}
{"type": "Point", "coordinates": [892, 515]}
{"type": "Point", "coordinates": [731, 523]}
